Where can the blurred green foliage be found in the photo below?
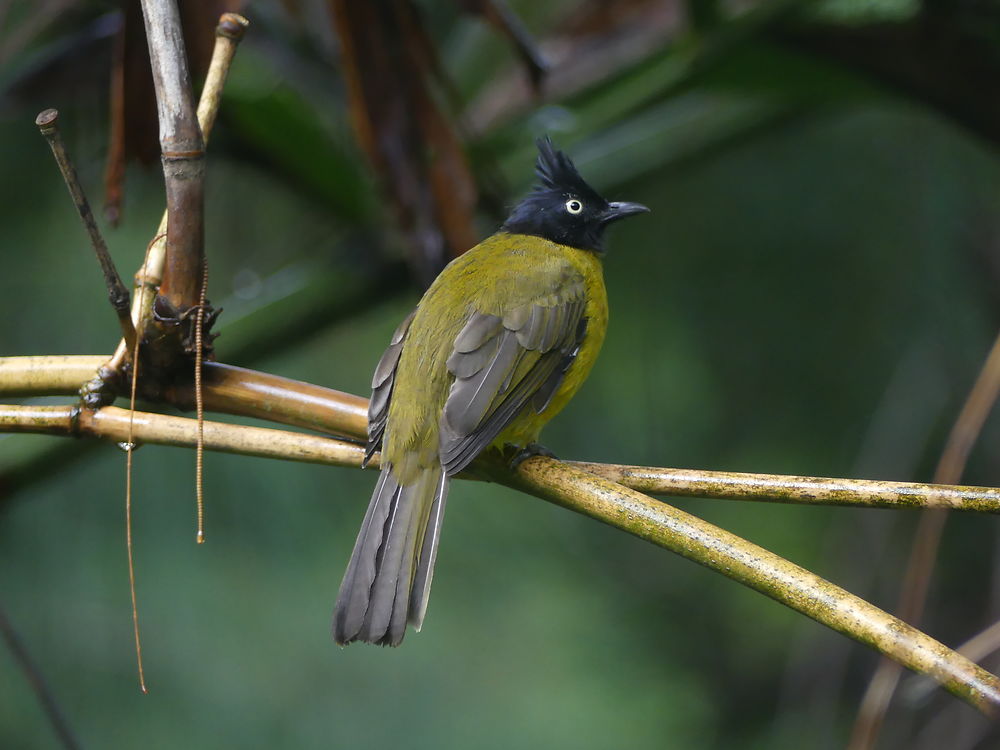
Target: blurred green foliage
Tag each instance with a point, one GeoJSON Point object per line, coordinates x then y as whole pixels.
{"type": "Point", "coordinates": [813, 294]}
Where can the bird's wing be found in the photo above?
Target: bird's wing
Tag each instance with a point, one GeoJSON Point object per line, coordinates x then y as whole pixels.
{"type": "Point", "coordinates": [504, 364]}
{"type": "Point", "coordinates": [382, 382]}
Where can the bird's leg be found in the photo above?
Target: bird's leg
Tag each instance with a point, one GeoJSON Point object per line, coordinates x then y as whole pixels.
{"type": "Point", "coordinates": [528, 451]}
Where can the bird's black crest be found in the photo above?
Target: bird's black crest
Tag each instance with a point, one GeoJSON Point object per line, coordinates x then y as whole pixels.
{"type": "Point", "coordinates": [557, 171]}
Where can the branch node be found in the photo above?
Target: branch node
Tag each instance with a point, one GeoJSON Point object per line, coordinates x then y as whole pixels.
{"type": "Point", "coordinates": [232, 26]}
{"type": "Point", "coordinates": [47, 120]}
{"type": "Point", "coordinates": [101, 389]}
{"type": "Point", "coordinates": [172, 156]}
{"type": "Point", "coordinates": [74, 420]}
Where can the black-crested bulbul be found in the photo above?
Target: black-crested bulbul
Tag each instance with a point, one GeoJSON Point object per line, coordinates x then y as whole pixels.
{"type": "Point", "coordinates": [496, 347]}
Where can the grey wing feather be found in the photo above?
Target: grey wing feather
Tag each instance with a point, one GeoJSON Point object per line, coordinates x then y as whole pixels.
{"type": "Point", "coordinates": [465, 409]}
{"type": "Point", "coordinates": [494, 382]}
{"type": "Point", "coordinates": [554, 330]}
{"type": "Point", "coordinates": [475, 345]}
{"type": "Point", "coordinates": [477, 331]}
{"type": "Point", "coordinates": [459, 451]}
{"type": "Point", "coordinates": [530, 334]}
{"type": "Point", "coordinates": [548, 389]}
{"type": "Point", "coordinates": [382, 384]}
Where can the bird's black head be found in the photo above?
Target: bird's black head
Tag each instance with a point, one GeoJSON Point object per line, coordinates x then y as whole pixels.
{"type": "Point", "coordinates": [564, 208]}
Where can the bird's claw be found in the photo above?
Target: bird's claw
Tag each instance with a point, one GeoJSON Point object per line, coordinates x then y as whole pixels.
{"type": "Point", "coordinates": [529, 451]}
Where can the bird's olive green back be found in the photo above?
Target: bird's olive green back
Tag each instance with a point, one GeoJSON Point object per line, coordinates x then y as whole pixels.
{"type": "Point", "coordinates": [535, 293]}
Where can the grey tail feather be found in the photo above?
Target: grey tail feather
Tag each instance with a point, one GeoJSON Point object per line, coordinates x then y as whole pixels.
{"type": "Point", "coordinates": [388, 579]}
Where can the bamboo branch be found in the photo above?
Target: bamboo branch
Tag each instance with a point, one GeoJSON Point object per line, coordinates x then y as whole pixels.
{"type": "Point", "coordinates": [148, 278]}
{"type": "Point", "coordinates": [780, 488]}
{"type": "Point", "coordinates": [183, 150]}
{"type": "Point", "coordinates": [112, 423]}
{"type": "Point", "coordinates": [228, 390]}
{"type": "Point", "coordinates": [250, 393]}
{"type": "Point", "coordinates": [759, 569]}
{"type": "Point", "coordinates": [48, 123]}
{"type": "Point", "coordinates": [584, 493]}
{"type": "Point", "coordinates": [243, 392]}
{"type": "Point", "coordinates": [916, 688]}
{"type": "Point", "coordinates": [228, 35]}
{"type": "Point", "coordinates": [47, 375]}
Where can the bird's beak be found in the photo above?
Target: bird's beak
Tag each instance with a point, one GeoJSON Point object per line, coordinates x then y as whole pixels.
{"type": "Point", "coordinates": [616, 211]}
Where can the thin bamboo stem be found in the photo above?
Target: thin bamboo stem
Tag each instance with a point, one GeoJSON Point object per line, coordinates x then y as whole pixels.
{"type": "Point", "coordinates": [249, 393]}
{"type": "Point", "coordinates": [584, 493]}
{"type": "Point", "coordinates": [183, 154]}
{"type": "Point", "coordinates": [48, 124]}
{"type": "Point", "coordinates": [228, 390]}
{"type": "Point", "coordinates": [33, 675]}
{"type": "Point", "coordinates": [927, 540]}
{"type": "Point", "coordinates": [780, 488]}
{"type": "Point", "coordinates": [759, 569]}
{"type": "Point", "coordinates": [112, 423]}
{"type": "Point", "coordinates": [148, 278]}
{"type": "Point", "coordinates": [47, 375]}
{"type": "Point", "coordinates": [977, 648]}
{"type": "Point", "coordinates": [42, 420]}
{"type": "Point", "coordinates": [228, 35]}
{"type": "Point", "coordinates": [243, 392]}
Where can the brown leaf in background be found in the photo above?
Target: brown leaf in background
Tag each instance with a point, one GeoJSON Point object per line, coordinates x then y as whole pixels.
{"type": "Point", "coordinates": [591, 42]}
{"type": "Point", "coordinates": [134, 131]}
{"type": "Point", "coordinates": [394, 90]}
{"type": "Point", "coordinates": [499, 15]}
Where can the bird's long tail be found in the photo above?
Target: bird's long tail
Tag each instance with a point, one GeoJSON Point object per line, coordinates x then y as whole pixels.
{"type": "Point", "coordinates": [388, 578]}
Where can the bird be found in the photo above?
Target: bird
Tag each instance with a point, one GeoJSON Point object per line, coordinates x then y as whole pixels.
{"type": "Point", "coordinates": [497, 345]}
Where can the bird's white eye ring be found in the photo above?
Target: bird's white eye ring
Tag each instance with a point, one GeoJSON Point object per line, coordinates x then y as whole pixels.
{"type": "Point", "coordinates": [574, 206]}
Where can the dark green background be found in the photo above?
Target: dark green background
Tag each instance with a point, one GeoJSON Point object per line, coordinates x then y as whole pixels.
{"type": "Point", "coordinates": [813, 293]}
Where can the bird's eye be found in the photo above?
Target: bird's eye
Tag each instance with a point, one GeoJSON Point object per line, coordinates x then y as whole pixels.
{"type": "Point", "coordinates": [574, 206]}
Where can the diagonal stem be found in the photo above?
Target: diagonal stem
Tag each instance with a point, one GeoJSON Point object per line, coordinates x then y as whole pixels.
{"type": "Point", "coordinates": [759, 569]}
{"type": "Point", "coordinates": [593, 496]}
{"type": "Point", "coordinates": [38, 684]}
{"type": "Point", "coordinates": [923, 554]}
{"type": "Point", "coordinates": [48, 123]}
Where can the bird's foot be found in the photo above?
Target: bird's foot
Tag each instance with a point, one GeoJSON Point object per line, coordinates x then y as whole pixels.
{"type": "Point", "coordinates": [529, 451]}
